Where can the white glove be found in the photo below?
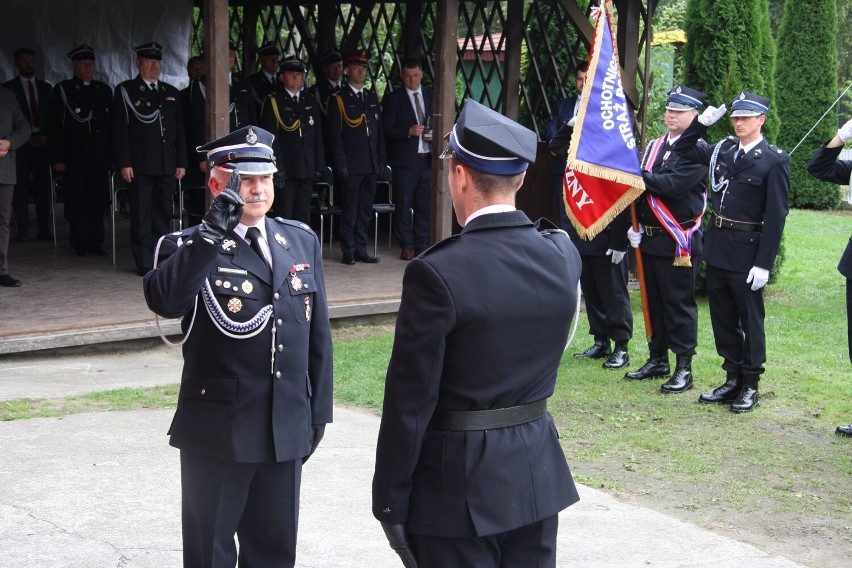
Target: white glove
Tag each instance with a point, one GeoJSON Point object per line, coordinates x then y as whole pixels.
{"type": "Point", "coordinates": [617, 255]}
{"type": "Point", "coordinates": [758, 278]}
{"type": "Point", "coordinates": [712, 114]}
{"type": "Point", "coordinates": [845, 132]}
{"type": "Point", "coordinates": [574, 120]}
{"type": "Point", "coordinates": [635, 237]}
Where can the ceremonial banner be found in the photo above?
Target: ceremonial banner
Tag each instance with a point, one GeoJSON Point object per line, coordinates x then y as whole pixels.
{"type": "Point", "coordinates": [603, 174]}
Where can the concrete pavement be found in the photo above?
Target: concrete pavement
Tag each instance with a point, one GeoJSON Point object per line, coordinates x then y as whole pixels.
{"type": "Point", "coordinates": [102, 489]}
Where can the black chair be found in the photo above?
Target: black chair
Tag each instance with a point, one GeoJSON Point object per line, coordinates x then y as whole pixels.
{"type": "Point", "coordinates": [383, 204]}
{"type": "Point", "coordinates": [323, 204]}
{"type": "Point", "coordinates": [116, 185]}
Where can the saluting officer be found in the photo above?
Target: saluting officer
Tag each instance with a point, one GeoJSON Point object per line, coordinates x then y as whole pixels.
{"type": "Point", "coordinates": [80, 147]}
{"type": "Point", "coordinates": [246, 419]}
{"type": "Point", "coordinates": [750, 182]}
{"type": "Point", "coordinates": [357, 141]}
{"type": "Point", "coordinates": [825, 166]}
{"type": "Point", "coordinates": [150, 150]}
{"type": "Point", "coordinates": [670, 215]}
{"type": "Point", "coordinates": [469, 470]}
{"type": "Point", "coordinates": [295, 118]}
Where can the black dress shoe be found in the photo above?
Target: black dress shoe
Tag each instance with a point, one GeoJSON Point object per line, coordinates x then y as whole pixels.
{"type": "Point", "coordinates": [97, 251]}
{"type": "Point", "coordinates": [618, 359]}
{"type": "Point", "coordinates": [746, 401]}
{"type": "Point", "coordinates": [348, 258]}
{"type": "Point", "coordinates": [598, 350]}
{"type": "Point", "coordinates": [681, 379]}
{"type": "Point", "coordinates": [654, 368]}
{"type": "Point", "coordinates": [364, 257]}
{"type": "Point", "coordinates": [726, 393]}
{"type": "Point", "coordinates": [45, 237]}
{"type": "Point", "coordinates": [844, 430]}
{"type": "Point", "coordinates": [9, 282]}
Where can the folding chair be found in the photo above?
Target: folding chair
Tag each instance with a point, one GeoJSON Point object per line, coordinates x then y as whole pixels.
{"type": "Point", "coordinates": [383, 203]}
{"type": "Point", "coordinates": [324, 204]}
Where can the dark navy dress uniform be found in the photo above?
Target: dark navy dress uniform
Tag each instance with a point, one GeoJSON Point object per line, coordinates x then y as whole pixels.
{"type": "Point", "coordinates": [566, 109]}
{"type": "Point", "coordinates": [750, 205]}
{"type": "Point", "coordinates": [481, 326]}
{"type": "Point", "coordinates": [149, 136]}
{"type": "Point", "coordinates": [357, 139]}
{"type": "Point", "coordinates": [80, 137]}
{"type": "Point", "coordinates": [825, 166]}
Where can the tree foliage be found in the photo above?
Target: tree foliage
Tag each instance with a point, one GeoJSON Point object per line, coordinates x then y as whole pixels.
{"type": "Point", "coordinates": [807, 86]}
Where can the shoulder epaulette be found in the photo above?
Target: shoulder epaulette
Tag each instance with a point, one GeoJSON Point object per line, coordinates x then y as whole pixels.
{"type": "Point", "coordinates": [292, 223]}
{"type": "Point", "coordinates": [441, 244]}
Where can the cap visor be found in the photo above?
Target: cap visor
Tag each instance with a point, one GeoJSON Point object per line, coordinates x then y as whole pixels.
{"type": "Point", "coordinates": [745, 112]}
{"type": "Point", "coordinates": [671, 105]}
{"type": "Point", "coordinates": [254, 168]}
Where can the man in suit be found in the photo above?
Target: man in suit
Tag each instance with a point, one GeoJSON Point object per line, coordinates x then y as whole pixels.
{"type": "Point", "coordinates": [669, 237]}
{"type": "Point", "coordinates": [825, 166]}
{"type": "Point", "coordinates": [295, 118]}
{"type": "Point", "coordinates": [406, 120]}
{"type": "Point", "coordinates": [32, 159]}
{"type": "Point", "coordinates": [469, 470]}
{"type": "Point", "coordinates": [150, 150]}
{"type": "Point", "coordinates": [246, 420]}
{"type": "Point", "coordinates": [358, 154]}
{"type": "Point", "coordinates": [265, 81]}
{"type": "Point", "coordinates": [14, 133]}
{"type": "Point", "coordinates": [558, 135]}
{"type": "Point", "coordinates": [80, 145]}
{"type": "Point", "coordinates": [750, 182]}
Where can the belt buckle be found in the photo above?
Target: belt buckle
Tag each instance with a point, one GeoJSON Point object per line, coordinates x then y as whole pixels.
{"type": "Point", "coordinates": [717, 221]}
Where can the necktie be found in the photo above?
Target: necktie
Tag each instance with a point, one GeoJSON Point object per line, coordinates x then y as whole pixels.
{"type": "Point", "coordinates": [153, 86]}
{"type": "Point", "coordinates": [421, 117]}
{"type": "Point", "coordinates": [253, 233]}
{"type": "Point", "coordinates": [295, 99]}
{"type": "Point", "coordinates": [33, 104]}
{"type": "Point", "coordinates": [361, 96]}
{"type": "Point", "coordinates": [739, 155]}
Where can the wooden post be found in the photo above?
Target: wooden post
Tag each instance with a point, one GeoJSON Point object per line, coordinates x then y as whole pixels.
{"type": "Point", "coordinates": [216, 60]}
{"type": "Point", "coordinates": [444, 113]}
{"type": "Point", "coordinates": [512, 67]}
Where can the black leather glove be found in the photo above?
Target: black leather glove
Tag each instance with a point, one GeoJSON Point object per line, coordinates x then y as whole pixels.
{"type": "Point", "coordinates": [317, 432]}
{"type": "Point", "coordinates": [399, 543]}
{"type": "Point", "coordinates": [224, 213]}
{"type": "Point", "coordinates": [342, 177]}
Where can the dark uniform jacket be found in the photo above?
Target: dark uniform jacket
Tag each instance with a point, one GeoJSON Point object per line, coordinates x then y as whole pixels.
{"type": "Point", "coordinates": [397, 117]}
{"type": "Point", "coordinates": [80, 125]}
{"type": "Point", "coordinates": [323, 91]}
{"type": "Point", "coordinates": [613, 236]}
{"type": "Point", "coordinates": [242, 111]}
{"type": "Point", "coordinates": [757, 192]}
{"type": "Point", "coordinates": [680, 184]}
{"type": "Point", "coordinates": [825, 166]}
{"type": "Point", "coordinates": [482, 324]}
{"type": "Point", "coordinates": [299, 147]}
{"type": "Point", "coordinates": [355, 132]}
{"type": "Point", "coordinates": [263, 87]}
{"type": "Point", "coordinates": [153, 145]}
{"type": "Point", "coordinates": [564, 113]}
{"type": "Point", "coordinates": [238, 401]}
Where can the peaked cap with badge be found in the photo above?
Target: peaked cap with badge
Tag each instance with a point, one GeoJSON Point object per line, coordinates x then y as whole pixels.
{"type": "Point", "coordinates": [150, 50]}
{"type": "Point", "coordinates": [268, 49]}
{"type": "Point", "coordinates": [683, 98]}
{"type": "Point", "coordinates": [292, 63]}
{"type": "Point", "coordinates": [331, 56]}
{"type": "Point", "coordinates": [749, 104]}
{"type": "Point", "coordinates": [489, 142]}
{"type": "Point", "coordinates": [82, 52]}
{"type": "Point", "coordinates": [247, 150]}
{"type": "Point", "coordinates": [358, 57]}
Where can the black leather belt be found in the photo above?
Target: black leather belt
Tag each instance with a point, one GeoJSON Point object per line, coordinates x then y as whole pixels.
{"type": "Point", "coordinates": [654, 231]}
{"type": "Point", "coordinates": [724, 223]}
{"type": "Point", "coordinates": [424, 155]}
{"type": "Point", "coordinates": [466, 420]}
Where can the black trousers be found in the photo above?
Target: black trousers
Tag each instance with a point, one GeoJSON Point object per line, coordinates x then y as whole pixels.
{"type": "Point", "coordinates": [604, 286]}
{"type": "Point", "coordinates": [671, 303]}
{"type": "Point", "coordinates": [358, 197]}
{"type": "Point", "coordinates": [412, 188]}
{"type": "Point", "coordinates": [293, 201]}
{"type": "Point", "coordinates": [86, 199]}
{"type": "Point", "coordinates": [151, 199]}
{"type": "Point", "coordinates": [530, 546]}
{"type": "Point", "coordinates": [737, 315]}
{"type": "Point", "coordinates": [259, 502]}
{"type": "Point", "coordinates": [33, 176]}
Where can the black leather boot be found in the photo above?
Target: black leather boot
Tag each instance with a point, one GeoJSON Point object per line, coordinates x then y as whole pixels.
{"type": "Point", "coordinates": [748, 395]}
{"type": "Point", "coordinates": [845, 430]}
{"type": "Point", "coordinates": [656, 366]}
{"type": "Point", "coordinates": [598, 350]}
{"type": "Point", "coordinates": [619, 358]}
{"type": "Point", "coordinates": [726, 393]}
{"type": "Point", "coordinates": [681, 379]}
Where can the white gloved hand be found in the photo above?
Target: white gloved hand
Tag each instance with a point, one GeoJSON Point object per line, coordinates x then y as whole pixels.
{"type": "Point", "coordinates": [617, 255]}
{"type": "Point", "coordinates": [571, 122]}
{"type": "Point", "coordinates": [845, 132]}
{"type": "Point", "coordinates": [635, 237]}
{"type": "Point", "coordinates": [758, 277]}
{"type": "Point", "coordinates": [712, 114]}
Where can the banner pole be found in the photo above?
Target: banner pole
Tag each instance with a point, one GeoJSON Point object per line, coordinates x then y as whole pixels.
{"type": "Point", "coordinates": [640, 275]}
